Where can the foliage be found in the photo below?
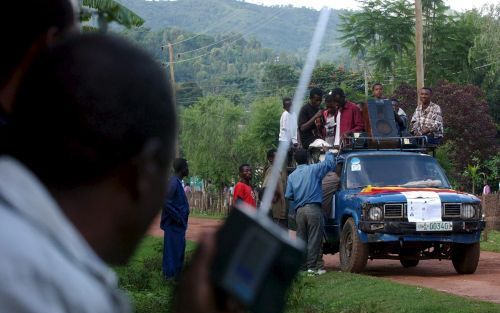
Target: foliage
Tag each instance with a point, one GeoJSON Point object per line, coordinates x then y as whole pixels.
{"type": "Point", "coordinates": [281, 78]}
{"type": "Point", "coordinates": [328, 76]}
{"type": "Point", "coordinates": [261, 133]}
{"type": "Point", "coordinates": [220, 65]}
{"type": "Point", "coordinates": [468, 128]}
{"type": "Point", "coordinates": [491, 169]}
{"type": "Point", "coordinates": [443, 154]}
{"type": "Point", "coordinates": [281, 28]}
{"type": "Point", "coordinates": [493, 242]}
{"type": "Point", "coordinates": [472, 172]}
{"type": "Point", "coordinates": [458, 47]}
{"type": "Point", "coordinates": [209, 129]}
{"type": "Point", "coordinates": [370, 33]}
{"type": "Point", "coordinates": [190, 92]}
{"type": "Point", "coordinates": [484, 54]}
{"type": "Point", "coordinates": [109, 11]}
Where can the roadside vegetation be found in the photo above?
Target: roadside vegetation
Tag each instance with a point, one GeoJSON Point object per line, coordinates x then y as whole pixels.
{"type": "Point", "coordinates": [493, 242]}
{"type": "Point", "coordinates": [332, 292]}
{"type": "Point", "coordinates": [143, 280]}
{"type": "Point", "coordinates": [207, 214]}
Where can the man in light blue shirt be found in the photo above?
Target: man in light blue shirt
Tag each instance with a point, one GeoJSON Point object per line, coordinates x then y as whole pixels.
{"type": "Point", "coordinates": [304, 189]}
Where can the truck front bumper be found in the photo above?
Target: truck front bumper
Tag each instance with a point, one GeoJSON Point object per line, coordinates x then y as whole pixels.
{"type": "Point", "coordinates": [463, 232]}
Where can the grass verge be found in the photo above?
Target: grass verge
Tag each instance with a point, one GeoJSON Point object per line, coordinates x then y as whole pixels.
{"type": "Point", "coordinates": [332, 292]}
{"type": "Point", "coordinates": [143, 280]}
{"type": "Point", "coordinates": [207, 214]}
{"type": "Point", "coordinates": [493, 242]}
{"type": "Point", "coordinates": [354, 293]}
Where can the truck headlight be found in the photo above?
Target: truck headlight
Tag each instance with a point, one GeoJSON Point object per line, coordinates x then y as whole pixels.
{"type": "Point", "coordinates": [375, 213]}
{"type": "Point", "coordinates": [468, 210]}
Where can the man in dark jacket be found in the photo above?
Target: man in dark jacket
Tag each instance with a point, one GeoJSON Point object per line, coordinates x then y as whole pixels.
{"type": "Point", "coordinates": [174, 221]}
{"type": "Point", "coordinates": [309, 117]}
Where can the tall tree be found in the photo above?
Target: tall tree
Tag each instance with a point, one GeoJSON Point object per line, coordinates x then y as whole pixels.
{"type": "Point", "coordinates": [209, 130]}
{"type": "Point", "coordinates": [328, 76]}
{"type": "Point", "coordinates": [280, 78]}
{"type": "Point", "coordinates": [261, 132]}
{"type": "Point", "coordinates": [484, 55]}
{"type": "Point", "coordinates": [382, 33]}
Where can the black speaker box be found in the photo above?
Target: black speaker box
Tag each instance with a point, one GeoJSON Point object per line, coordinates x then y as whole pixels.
{"type": "Point", "coordinates": [381, 119]}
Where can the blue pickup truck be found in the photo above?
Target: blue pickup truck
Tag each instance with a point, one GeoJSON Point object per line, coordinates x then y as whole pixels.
{"type": "Point", "coordinates": [398, 204]}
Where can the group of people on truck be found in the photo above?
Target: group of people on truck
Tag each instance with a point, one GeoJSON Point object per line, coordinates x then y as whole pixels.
{"type": "Point", "coordinates": [341, 118]}
{"type": "Point", "coordinates": [310, 187]}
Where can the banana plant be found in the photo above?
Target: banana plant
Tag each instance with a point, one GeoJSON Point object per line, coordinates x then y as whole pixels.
{"type": "Point", "coordinates": [108, 11]}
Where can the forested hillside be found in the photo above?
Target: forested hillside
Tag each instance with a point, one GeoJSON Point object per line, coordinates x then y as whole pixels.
{"type": "Point", "coordinates": [279, 28]}
{"type": "Point", "coordinates": [227, 65]}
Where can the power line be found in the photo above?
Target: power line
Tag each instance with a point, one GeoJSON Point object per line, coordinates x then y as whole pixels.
{"type": "Point", "coordinates": [240, 36]}
{"type": "Point", "coordinates": [221, 21]}
{"type": "Point", "coordinates": [253, 27]}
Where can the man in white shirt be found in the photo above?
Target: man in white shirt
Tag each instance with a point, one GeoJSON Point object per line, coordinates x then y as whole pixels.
{"type": "Point", "coordinates": [288, 124]}
{"type": "Point", "coordinates": [288, 128]}
{"type": "Point", "coordinates": [83, 174]}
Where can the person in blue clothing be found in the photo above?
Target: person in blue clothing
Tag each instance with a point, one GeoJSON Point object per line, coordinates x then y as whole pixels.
{"type": "Point", "coordinates": [174, 221]}
{"type": "Point", "coordinates": [304, 189]}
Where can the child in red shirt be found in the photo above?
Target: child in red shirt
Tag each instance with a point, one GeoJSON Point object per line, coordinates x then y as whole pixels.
{"type": "Point", "coordinates": [243, 191]}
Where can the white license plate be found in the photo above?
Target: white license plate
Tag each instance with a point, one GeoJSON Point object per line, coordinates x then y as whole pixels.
{"type": "Point", "coordinates": [434, 226]}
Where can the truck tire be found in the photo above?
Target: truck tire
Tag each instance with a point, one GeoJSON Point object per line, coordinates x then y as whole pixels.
{"type": "Point", "coordinates": [465, 257]}
{"type": "Point", "coordinates": [408, 262]}
{"type": "Point", "coordinates": [353, 253]}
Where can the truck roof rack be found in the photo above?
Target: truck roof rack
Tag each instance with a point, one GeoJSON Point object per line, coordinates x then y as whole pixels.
{"type": "Point", "coordinates": [358, 142]}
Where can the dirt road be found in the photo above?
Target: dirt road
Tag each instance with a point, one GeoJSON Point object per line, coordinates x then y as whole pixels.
{"type": "Point", "coordinates": [439, 275]}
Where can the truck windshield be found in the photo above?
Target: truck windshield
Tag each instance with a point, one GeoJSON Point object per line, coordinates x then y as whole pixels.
{"type": "Point", "coordinates": [395, 170]}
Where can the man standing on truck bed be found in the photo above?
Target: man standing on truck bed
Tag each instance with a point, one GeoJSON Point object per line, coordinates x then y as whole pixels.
{"type": "Point", "coordinates": [304, 189]}
{"type": "Point", "coordinates": [427, 120]}
{"type": "Point", "coordinates": [307, 118]}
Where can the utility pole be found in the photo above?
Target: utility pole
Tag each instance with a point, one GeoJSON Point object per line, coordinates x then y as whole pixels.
{"type": "Point", "coordinates": [361, 57]}
{"type": "Point", "coordinates": [172, 81]}
{"type": "Point", "coordinates": [365, 74]}
{"type": "Point", "coordinates": [419, 45]}
{"type": "Point", "coordinates": [171, 61]}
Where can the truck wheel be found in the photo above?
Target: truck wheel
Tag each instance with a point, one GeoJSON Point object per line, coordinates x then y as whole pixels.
{"type": "Point", "coordinates": [408, 262]}
{"type": "Point", "coordinates": [353, 253]}
{"type": "Point", "coordinates": [465, 257]}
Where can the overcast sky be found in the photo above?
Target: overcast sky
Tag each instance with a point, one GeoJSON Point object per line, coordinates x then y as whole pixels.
{"type": "Point", "coordinates": [458, 5]}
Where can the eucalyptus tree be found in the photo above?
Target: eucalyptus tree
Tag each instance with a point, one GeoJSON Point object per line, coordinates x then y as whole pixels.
{"type": "Point", "coordinates": [208, 132]}
{"type": "Point", "coordinates": [382, 33]}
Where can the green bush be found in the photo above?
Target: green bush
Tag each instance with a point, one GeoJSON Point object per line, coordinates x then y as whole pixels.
{"type": "Point", "coordinates": [143, 280]}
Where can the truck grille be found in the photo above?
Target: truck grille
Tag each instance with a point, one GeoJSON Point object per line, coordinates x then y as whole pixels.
{"type": "Point", "coordinates": [452, 209]}
{"type": "Point", "coordinates": [393, 210]}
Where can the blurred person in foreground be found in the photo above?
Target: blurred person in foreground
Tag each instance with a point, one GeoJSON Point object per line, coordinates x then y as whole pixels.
{"type": "Point", "coordinates": [37, 24]}
{"type": "Point", "coordinates": [84, 176]}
